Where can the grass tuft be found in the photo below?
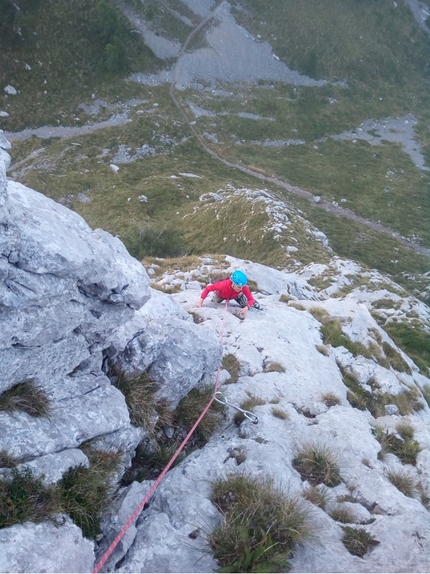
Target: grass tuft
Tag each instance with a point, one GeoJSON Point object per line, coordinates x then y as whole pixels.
{"type": "Point", "coordinates": [358, 541]}
{"type": "Point", "coordinates": [25, 397]}
{"type": "Point", "coordinates": [316, 464]}
{"type": "Point", "coordinates": [330, 399]}
{"type": "Point", "coordinates": [316, 495]}
{"type": "Point", "coordinates": [406, 448]}
{"type": "Point", "coordinates": [273, 367]}
{"type": "Point", "coordinates": [403, 481]}
{"type": "Point", "coordinates": [192, 405]}
{"type": "Point", "coordinates": [25, 498]}
{"type": "Point", "coordinates": [342, 514]}
{"type": "Point", "coordinates": [139, 393]}
{"type": "Point", "coordinates": [8, 461]}
{"type": "Point", "coordinates": [279, 413]}
{"type": "Point", "coordinates": [261, 525]}
{"type": "Point", "coordinates": [82, 493]}
{"type": "Point", "coordinates": [323, 350]}
{"type": "Point", "coordinates": [247, 405]}
{"type": "Point", "coordinates": [167, 435]}
{"type": "Point", "coordinates": [320, 314]}
{"type": "Point", "coordinates": [231, 364]}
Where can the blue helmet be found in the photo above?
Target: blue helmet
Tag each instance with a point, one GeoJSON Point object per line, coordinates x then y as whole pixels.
{"type": "Point", "coordinates": [239, 278]}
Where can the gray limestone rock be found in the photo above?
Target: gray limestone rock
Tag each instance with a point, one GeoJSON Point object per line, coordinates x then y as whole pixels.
{"type": "Point", "coordinates": [45, 547]}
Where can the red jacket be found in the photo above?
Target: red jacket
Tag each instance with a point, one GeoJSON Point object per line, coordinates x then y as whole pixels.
{"type": "Point", "coordinates": [224, 290]}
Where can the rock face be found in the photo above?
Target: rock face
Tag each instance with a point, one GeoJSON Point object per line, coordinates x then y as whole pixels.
{"type": "Point", "coordinates": [69, 302]}
{"type": "Point", "coordinates": [74, 304]}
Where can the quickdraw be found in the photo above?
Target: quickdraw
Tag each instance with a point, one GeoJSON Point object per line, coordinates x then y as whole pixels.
{"type": "Point", "coordinates": [223, 401]}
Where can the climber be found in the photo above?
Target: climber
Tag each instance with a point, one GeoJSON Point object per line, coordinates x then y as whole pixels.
{"type": "Point", "coordinates": [234, 287]}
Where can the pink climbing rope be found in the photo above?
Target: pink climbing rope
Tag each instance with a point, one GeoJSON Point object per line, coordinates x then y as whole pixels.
{"type": "Point", "coordinates": [150, 492]}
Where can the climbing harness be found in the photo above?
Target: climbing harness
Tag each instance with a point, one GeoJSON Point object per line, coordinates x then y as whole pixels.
{"type": "Point", "coordinates": [223, 401]}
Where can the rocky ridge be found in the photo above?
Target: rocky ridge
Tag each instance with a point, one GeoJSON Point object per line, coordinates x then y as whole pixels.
{"type": "Point", "coordinates": [74, 303]}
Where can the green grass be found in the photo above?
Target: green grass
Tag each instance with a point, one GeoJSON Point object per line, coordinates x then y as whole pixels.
{"type": "Point", "coordinates": [90, 56]}
{"type": "Point", "coordinates": [82, 493]}
{"type": "Point", "coordinates": [25, 498]}
{"type": "Point", "coordinates": [261, 525]}
{"type": "Point", "coordinates": [413, 340]}
{"type": "Point", "coordinates": [406, 448]}
{"type": "Point", "coordinates": [407, 401]}
{"type": "Point", "coordinates": [85, 493]}
{"type": "Point", "coordinates": [152, 456]}
{"type": "Point", "coordinates": [333, 335]}
{"type": "Point", "coordinates": [190, 408]}
{"type": "Point", "coordinates": [311, 38]}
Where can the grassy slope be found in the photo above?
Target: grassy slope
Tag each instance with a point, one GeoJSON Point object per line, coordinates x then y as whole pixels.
{"type": "Point", "coordinates": [387, 75]}
{"type": "Point", "coordinates": [70, 48]}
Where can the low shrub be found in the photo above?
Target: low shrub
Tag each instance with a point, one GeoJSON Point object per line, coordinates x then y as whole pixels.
{"type": "Point", "coordinates": [357, 541]}
{"type": "Point", "coordinates": [261, 525]}
{"type": "Point", "coordinates": [316, 464]}
{"type": "Point", "coordinates": [25, 397]}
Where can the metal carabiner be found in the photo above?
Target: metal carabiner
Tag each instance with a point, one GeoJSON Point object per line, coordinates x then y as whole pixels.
{"type": "Point", "coordinates": [250, 416]}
